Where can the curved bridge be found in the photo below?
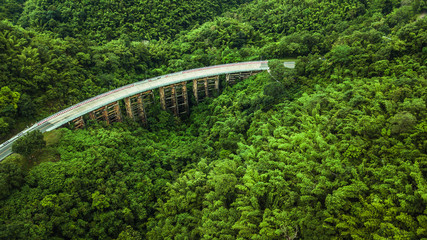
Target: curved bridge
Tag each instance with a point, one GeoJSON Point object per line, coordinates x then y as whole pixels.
{"type": "Point", "coordinates": [173, 96]}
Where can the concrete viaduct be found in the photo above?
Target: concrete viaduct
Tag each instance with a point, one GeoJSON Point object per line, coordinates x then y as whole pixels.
{"type": "Point", "coordinates": [136, 96]}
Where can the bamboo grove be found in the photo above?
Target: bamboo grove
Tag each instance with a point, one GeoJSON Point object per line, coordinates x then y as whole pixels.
{"type": "Point", "coordinates": [333, 149]}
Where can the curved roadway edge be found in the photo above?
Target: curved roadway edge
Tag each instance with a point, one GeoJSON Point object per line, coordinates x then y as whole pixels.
{"type": "Point", "coordinates": [58, 119]}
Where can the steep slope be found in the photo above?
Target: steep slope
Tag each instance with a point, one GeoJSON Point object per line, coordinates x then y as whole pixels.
{"type": "Point", "coordinates": [103, 21]}
{"type": "Point", "coordinates": [334, 150]}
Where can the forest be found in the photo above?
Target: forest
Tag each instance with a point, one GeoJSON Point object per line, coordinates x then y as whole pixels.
{"type": "Point", "coordinates": [333, 149]}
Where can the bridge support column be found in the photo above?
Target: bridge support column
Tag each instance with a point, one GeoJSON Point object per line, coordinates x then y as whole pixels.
{"type": "Point", "coordinates": [244, 75]}
{"type": "Point", "coordinates": [135, 105]}
{"type": "Point", "coordinates": [78, 122]}
{"type": "Point", "coordinates": [204, 87]}
{"type": "Point", "coordinates": [182, 98]}
{"type": "Point", "coordinates": [128, 106]}
{"type": "Point", "coordinates": [98, 114]}
{"type": "Point", "coordinates": [113, 112]}
{"type": "Point", "coordinates": [174, 97]}
{"type": "Point", "coordinates": [232, 77]}
{"type": "Point", "coordinates": [110, 113]}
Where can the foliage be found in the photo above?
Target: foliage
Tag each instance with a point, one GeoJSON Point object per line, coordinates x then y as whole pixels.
{"type": "Point", "coordinates": [7, 97]}
{"type": "Point", "coordinates": [11, 9]}
{"type": "Point", "coordinates": [333, 150]}
{"type": "Point", "coordinates": [12, 177]}
{"type": "Point", "coordinates": [274, 89]}
{"type": "Point", "coordinates": [141, 20]}
{"type": "Point", "coordinates": [28, 144]}
{"type": "Point", "coordinates": [8, 106]}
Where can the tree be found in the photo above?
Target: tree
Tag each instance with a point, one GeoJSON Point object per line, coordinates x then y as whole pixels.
{"type": "Point", "coordinates": [7, 97]}
{"type": "Point", "coordinates": [26, 106]}
{"type": "Point", "coordinates": [277, 69]}
{"type": "Point", "coordinates": [8, 101]}
{"type": "Point", "coordinates": [11, 177]}
{"type": "Point", "coordinates": [29, 143]}
{"type": "Point", "coordinates": [129, 234]}
{"type": "Point", "coordinates": [275, 90]}
{"type": "Point", "coordinates": [340, 54]}
{"type": "Point", "coordinates": [280, 73]}
{"type": "Point", "coordinates": [4, 126]}
{"type": "Point", "coordinates": [402, 122]}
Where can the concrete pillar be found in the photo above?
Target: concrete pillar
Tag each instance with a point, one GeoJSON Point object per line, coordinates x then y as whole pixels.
{"type": "Point", "coordinates": [78, 122]}
{"type": "Point", "coordinates": [231, 78]}
{"type": "Point", "coordinates": [92, 116]}
{"type": "Point", "coordinates": [105, 115]}
{"type": "Point", "coordinates": [195, 90]}
{"type": "Point", "coordinates": [174, 97]}
{"type": "Point", "coordinates": [206, 87]}
{"type": "Point", "coordinates": [141, 110]}
{"type": "Point", "coordinates": [128, 107]}
{"type": "Point", "coordinates": [213, 84]}
{"type": "Point", "coordinates": [117, 112]}
{"type": "Point", "coordinates": [100, 113]}
{"type": "Point", "coordinates": [112, 113]}
{"type": "Point", "coordinates": [136, 104]}
{"type": "Point", "coordinates": [174, 106]}
{"type": "Point", "coordinates": [162, 97]}
{"type": "Point", "coordinates": [181, 98]}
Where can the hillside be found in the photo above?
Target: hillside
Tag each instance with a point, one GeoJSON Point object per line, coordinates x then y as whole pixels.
{"type": "Point", "coordinates": [336, 149]}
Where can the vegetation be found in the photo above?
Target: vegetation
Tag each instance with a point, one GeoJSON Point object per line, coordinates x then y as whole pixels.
{"type": "Point", "coordinates": [141, 20]}
{"type": "Point", "coordinates": [334, 149]}
{"type": "Point", "coordinates": [28, 144]}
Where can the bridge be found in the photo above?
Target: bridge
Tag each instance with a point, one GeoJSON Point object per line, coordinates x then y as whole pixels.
{"type": "Point", "coordinates": [137, 96]}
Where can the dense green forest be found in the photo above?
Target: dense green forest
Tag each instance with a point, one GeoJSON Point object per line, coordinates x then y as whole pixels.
{"type": "Point", "coordinates": [333, 149]}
